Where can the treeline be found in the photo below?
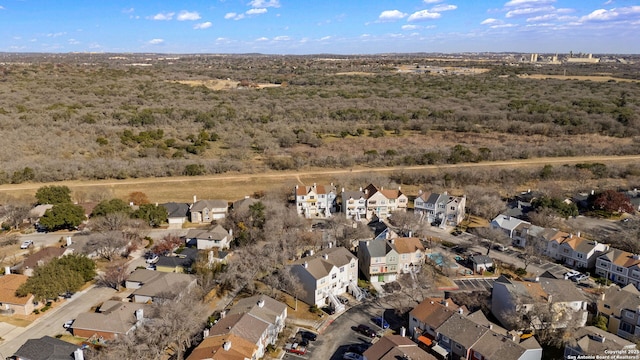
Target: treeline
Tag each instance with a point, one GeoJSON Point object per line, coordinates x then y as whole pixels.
{"type": "Point", "coordinates": [69, 120]}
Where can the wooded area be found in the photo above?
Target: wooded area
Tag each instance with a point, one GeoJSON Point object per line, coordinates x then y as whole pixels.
{"type": "Point", "coordinates": [98, 116]}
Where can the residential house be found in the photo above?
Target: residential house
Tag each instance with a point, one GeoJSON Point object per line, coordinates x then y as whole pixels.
{"type": "Point", "coordinates": [391, 347]}
{"type": "Point", "coordinates": [317, 201]}
{"type": "Point", "coordinates": [547, 302]}
{"type": "Point", "coordinates": [575, 251]}
{"type": "Point", "coordinates": [634, 198]}
{"type": "Point", "coordinates": [378, 260]}
{"type": "Point", "coordinates": [48, 348]}
{"type": "Point", "coordinates": [9, 302]}
{"type": "Point", "coordinates": [591, 342]}
{"type": "Point", "coordinates": [431, 206]}
{"type": "Point", "coordinates": [215, 237]}
{"type": "Point", "coordinates": [473, 336]}
{"type": "Point", "coordinates": [480, 263]}
{"type": "Point", "coordinates": [427, 316]}
{"type": "Point", "coordinates": [177, 214]}
{"type": "Point", "coordinates": [621, 307]}
{"type": "Point", "coordinates": [224, 347]}
{"type": "Point", "coordinates": [354, 204]}
{"type": "Point", "coordinates": [519, 231]}
{"type": "Point", "coordinates": [330, 272]}
{"type": "Point", "coordinates": [149, 285]}
{"type": "Point", "coordinates": [267, 309]}
{"type": "Point", "coordinates": [112, 319]}
{"type": "Point", "coordinates": [619, 266]}
{"type": "Point", "coordinates": [381, 203]}
{"type": "Point", "coordinates": [178, 263]}
{"type": "Point", "coordinates": [206, 211]}
{"type": "Point", "coordinates": [40, 258]}
{"type": "Point", "coordinates": [243, 204]}
{"type": "Point", "coordinates": [411, 253]}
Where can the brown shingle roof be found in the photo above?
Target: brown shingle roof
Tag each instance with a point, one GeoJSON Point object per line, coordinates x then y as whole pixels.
{"type": "Point", "coordinates": [433, 312]}
{"type": "Point", "coordinates": [392, 347]}
{"type": "Point", "coordinates": [212, 348]}
{"type": "Point", "coordinates": [408, 245]}
{"type": "Point", "coordinates": [8, 285]}
{"type": "Point", "coordinates": [43, 256]}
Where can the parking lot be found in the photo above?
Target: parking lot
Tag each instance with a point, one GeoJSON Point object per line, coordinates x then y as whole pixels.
{"type": "Point", "coordinates": [477, 284]}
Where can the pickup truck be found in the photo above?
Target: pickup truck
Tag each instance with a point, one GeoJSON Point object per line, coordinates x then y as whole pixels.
{"type": "Point", "coordinates": [295, 348]}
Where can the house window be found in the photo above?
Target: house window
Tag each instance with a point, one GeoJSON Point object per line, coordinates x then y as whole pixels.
{"type": "Point", "coordinates": [404, 256]}
{"type": "Point", "coordinates": [312, 197]}
{"type": "Point", "coordinates": [353, 265]}
{"type": "Point", "coordinates": [606, 306]}
{"type": "Point", "coordinates": [372, 202]}
{"type": "Point", "coordinates": [626, 327]}
{"type": "Point", "coordinates": [444, 339]}
{"type": "Point", "coordinates": [342, 269]}
{"type": "Point", "coordinates": [322, 281]}
{"type": "Point", "coordinates": [580, 256]}
{"type": "Point", "coordinates": [619, 269]}
{"type": "Point", "coordinates": [628, 314]}
{"type": "Point", "coordinates": [333, 276]}
{"type": "Point", "coordinates": [458, 347]}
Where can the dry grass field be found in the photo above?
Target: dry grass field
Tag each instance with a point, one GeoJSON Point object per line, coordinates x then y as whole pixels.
{"type": "Point", "coordinates": [595, 77]}
{"type": "Point", "coordinates": [221, 84]}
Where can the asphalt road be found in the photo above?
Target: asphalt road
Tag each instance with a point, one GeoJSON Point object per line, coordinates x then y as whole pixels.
{"type": "Point", "coordinates": [51, 322]}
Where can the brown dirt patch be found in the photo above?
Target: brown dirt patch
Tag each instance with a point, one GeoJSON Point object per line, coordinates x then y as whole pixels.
{"type": "Point", "coordinates": [221, 84]}
{"type": "Point", "coordinates": [355, 73]}
{"type": "Point", "coordinates": [599, 78]}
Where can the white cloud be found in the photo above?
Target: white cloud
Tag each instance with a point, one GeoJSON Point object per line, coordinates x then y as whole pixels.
{"type": "Point", "coordinates": [624, 13]}
{"type": "Point", "coordinates": [431, 1]}
{"type": "Point", "coordinates": [204, 25]}
{"type": "Point", "coordinates": [55, 35]}
{"type": "Point", "coordinates": [324, 38]}
{"type": "Point", "coordinates": [282, 38]}
{"type": "Point", "coordinates": [391, 15]}
{"type": "Point", "coordinates": [410, 27]}
{"type": "Point", "coordinates": [233, 16]}
{"type": "Point", "coordinates": [518, 3]}
{"type": "Point", "coordinates": [156, 41]}
{"type": "Point", "coordinates": [423, 15]}
{"type": "Point", "coordinates": [73, 42]}
{"type": "Point", "coordinates": [529, 11]}
{"type": "Point", "coordinates": [1, 7]}
{"type": "Point", "coordinates": [443, 7]}
{"type": "Point", "coordinates": [264, 3]}
{"type": "Point", "coordinates": [163, 16]}
{"type": "Point", "coordinates": [502, 26]}
{"type": "Point", "coordinates": [490, 21]}
{"type": "Point", "coordinates": [256, 11]}
{"type": "Point", "coordinates": [262, 39]}
{"type": "Point", "coordinates": [128, 11]}
{"type": "Point", "coordinates": [188, 16]}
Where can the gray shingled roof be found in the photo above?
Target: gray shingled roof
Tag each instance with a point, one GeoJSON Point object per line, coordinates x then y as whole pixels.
{"type": "Point", "coordinates": [378, 248]}
{"type": "Point", "coordinates": [46, 348]}
{"type": "Point", "coordinates": [115, 317]}
{"type": "Point", "coordinates": [209, 204]}
{"type": "Point", "coordinates": [588, 340]}
{"type": "Point", "coordinates": [319, 267]}
{"type": "Point", "coordinates": [462, 330]}
{"type": "Point", "coordinates": [216, 233]}
{"type": "Point", "coordinates": [176, 210]}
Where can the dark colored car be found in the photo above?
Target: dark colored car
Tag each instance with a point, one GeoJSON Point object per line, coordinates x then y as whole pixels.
{"type": "Point", "coordinates": [365, 330]}
{"type": "Point", "coordinates": [358, 348]}
{"type": "Point", "coordinates": [329, 310]}
{"type": "Point", "coordinates": [380, 322]}
{"type": "Point", "coordinates": [308, 335]}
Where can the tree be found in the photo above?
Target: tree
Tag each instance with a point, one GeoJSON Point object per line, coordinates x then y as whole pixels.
{"type": "Point", "coordinates": [138, 198]}
{"type": "Point", "coordinates": [61, 275]}
{"type": "Point", "coordinates": [611, 202]}
{"type": "Point", "coordinates": [63, 216]}
{"type": "Point", "coordinates": [556, 204]}
{"type": "Point", "coordinates": [108, 245]}
{"type": "Point", "coordinates": [15, 214]}
{"type": "Point", "coordinates": [484, 203]}
{"type": "Point", "coordinates": [53, 195]}
{"type": "Point", "coordinates": [111, 206]}
{"type": "Point", "coordinates": [114, 275]}
{"type": "Point", "coordinates": [167, 244]}
{"type": "Point", "coordinates": [494, 236]}
{"type": "Point", "coordinates": [153, 214]}
{"type": "Point", "coordinates": [110, 222]}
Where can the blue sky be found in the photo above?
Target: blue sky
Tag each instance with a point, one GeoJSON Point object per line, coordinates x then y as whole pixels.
{"type": "Point", "coordinates": [316, 26]}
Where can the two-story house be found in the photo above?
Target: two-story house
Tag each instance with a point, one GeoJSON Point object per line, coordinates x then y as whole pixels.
{"type": "Point", "coordinates": [317, 201]}
{"type": "Point", "coordinates": [330, 272]}
{"type": "Point", "coordinates": [619, 266]}
{"type": "Point", "coordinates": [431, 207]}
{"type": "Point", "coordinates": [578, 252]}
{"type": "Point", "coordinates": [621, 307]}
{"type": "Point", "coordinates": [426, 318]}
{"type": "Point", "coordinates": [206, 211]}
{"type": "Point", "coordinates": [378, 260]}
{"type": "Point", "coordinates": [354, 204]}
{"type": "Point", "coordinates": [215, 237]}
{"type": "Point", "coordinates": [591, 342]}
{"type": "Point", "coordinates": [149, 285]}
{"type": "Point", "coordinates": [519, 231]}
{"type": "Point", "coordinates": [544, 303]}
{"type": "Point", "coordinates": [411, 253]}
{"type": "Point", "coordinates": [382, 202]}
{"type": "Point", "coordinates": [266, 309]}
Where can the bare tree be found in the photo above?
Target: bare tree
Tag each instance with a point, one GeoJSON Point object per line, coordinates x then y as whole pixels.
{"type": "Point", "coordinates": [494, 236]}
{"type": "Point", "coordinates": [545, 217]}
{"type": "Point", "coordinates": [15, 214]}
{"type": "Point", "coordinates": [114, 275]}
{"type": "Point", "coordinates": [110, 222]}
{"type": "Point", "coordinates": [484, 203]}
{"type": "Point", "coordinates": [108, 245]}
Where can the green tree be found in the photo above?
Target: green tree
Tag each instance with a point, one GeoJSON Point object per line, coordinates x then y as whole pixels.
{"type": "Point", "coordinates": [80, 264]}
{"type": "Point", "coordinates": [257, 212]}
{"type": "Point", "coordinates": [111, 206]}
{"type": "Point", "coordinates": [153, 214]}
{"type": "Point", "coordinates": [53, 195]}
{"type": "Point", "coordinates": [67, 273]}
{"type": "Point", "coordinates": [62, 216]}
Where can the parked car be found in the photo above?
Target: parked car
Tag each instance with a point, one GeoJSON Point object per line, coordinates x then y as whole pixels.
{"type": "Point", "coordinates": [579, 277]}
{"type": "Point", "coordinates": [66, 295]}
{"type": "Point", "coordinates": [358, 348]}
{"type": "Point", "coordinates": [295, 348]}
{"type": "Point", "coordinates": [380, 322]}
{"type": "Point", "coordinates": [343, 300]}
{"type": "Point", "coordinates": [68, 324]}
{"type": "Point", "coordinates": [152, 259]}
{"type": "Point", "coordinates": [329, 310]}
{"type": "Point", "coordinates": [26, 244]}
{"type": "Point", "coordinates": [308, 335]}
{"type": "Point", "coordinates": [352, 356]}
{"type": "Point", "coordinates": [501, 247]}
{"type": "Point", "coordinates": [569, 274]}
{"type": "Point", "coordinates": [365, 330]}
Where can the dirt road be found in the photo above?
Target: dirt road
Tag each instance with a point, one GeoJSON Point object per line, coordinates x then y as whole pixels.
{"type": "Point", "coordinates": [236, 186]}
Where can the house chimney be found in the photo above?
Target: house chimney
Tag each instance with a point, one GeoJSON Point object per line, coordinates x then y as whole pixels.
{"type": "Point", "coordinates": [223, 314]}
{"type": "Point", "coordinates": [205, 333]}
{"type": "Point", "coordinates": [366, 191]}
{"type": "Point", "coordinates": [419, 192]}
{"type": "Point", "coordinates": [68, 240]}
{"type": "Point", "coordinates": [571, 236]}
{"type": "Point", "coordinates": [226, 345]}
{"type": "Point", "coordinates": [549, 298]}
{"type": "Point", "coordinates": [139, 315]}
{"type": "Point", "coordinates": [78, 354]}
{"type": "Point", "coordinates": [399, 188]}
{"type": "Point", "coordinates": [195, 199]}
{"type": "Point", "coordinates": [314, 185]}
{"type": "Point", "coordinates": [306, 265]}
{"type": "Point", "coordinates": [446, 303]}
{"type": "Point", "coordinates": [460, 311]}
{"type": "Point", "coordinates": [381, 188]}
{"type": "Point", "coordinates": [403, 331]}
{"type": "Point", "coordinates": [342, 189]}
{"type": "Point", "coordinates": [490, 326]}
{"type": "Point", "coordinates": [578, 234]}
{"type": "Point", "coordinates": [593, 192]}
{"type": "Point", "coordinates": [231, 232]}
{"type": "Point", "coordinates": [330, 244]}
{"type": "Point", "coordinates": [325, 256]}
{"type": "Point", "coordinates": [7, 270]}
{"type": "Point", "coordinates": [261, 303]}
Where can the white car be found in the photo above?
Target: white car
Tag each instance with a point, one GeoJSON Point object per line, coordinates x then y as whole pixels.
{"type": "Point", "coordinates": [68, 324]}
{"type": "Point", "coordinates": [568, 275]}
{"type": "Point", "coordinates": [26, 244]}
{"type": "Point", "coordinates": [152, 259]}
